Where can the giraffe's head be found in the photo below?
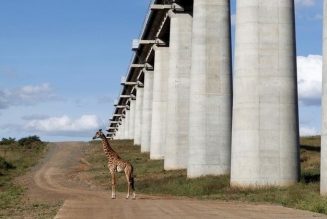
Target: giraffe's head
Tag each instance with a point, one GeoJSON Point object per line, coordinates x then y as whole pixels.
{"type": "Point", "coordinates": [98, 134]}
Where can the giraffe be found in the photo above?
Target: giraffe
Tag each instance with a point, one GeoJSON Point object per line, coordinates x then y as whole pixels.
{"type": "Point", "coordinates": [116, 164]}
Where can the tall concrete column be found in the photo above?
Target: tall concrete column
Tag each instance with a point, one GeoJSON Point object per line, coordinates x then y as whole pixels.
{"type": "Point", "coordinates": [127, 118]}
{"type": "Point", "coordinates": [120, 131]}
{"type": "Point", "coordinates": [176, 150]}
{"type": "Point", "coordinates": [123, 127]}
{"type": "Point", "coordinates": [117, 134]}
{"type": "Point", "coordinates": [159, 103]}
{"type": "Point", "coordinates": [323, 167]}
{"type": "Point", "coordinates": [147, 111]}
{"type": "Point", "coordinates": [211, 90]}
{"type": "Point", "coordinates": [132, 119]}
{"type": "Point", "coordinates": [138, 116]}
{"type": "Point", "coordinates": [265, 133]}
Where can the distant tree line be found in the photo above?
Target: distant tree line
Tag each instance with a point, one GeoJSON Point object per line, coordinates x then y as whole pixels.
{"type": "Point", "coordinates": [25, 142]}
{"type": "Point", "coordinates": [7, 141]}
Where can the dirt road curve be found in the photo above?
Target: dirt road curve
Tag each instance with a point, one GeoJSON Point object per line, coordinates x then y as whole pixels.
{"type": "Point", "coordinates": [55, 180]}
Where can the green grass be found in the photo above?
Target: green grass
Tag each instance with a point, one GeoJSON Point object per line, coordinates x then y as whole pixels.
{"type": "Point", "coordinates": [311, 141]}
{"type": "Point", "coordinates": [152, 179]}
{"type": "Point", "coordinates": [16, 160]}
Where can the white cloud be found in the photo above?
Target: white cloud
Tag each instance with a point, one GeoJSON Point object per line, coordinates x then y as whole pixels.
{"type": "Point", "coordinates": [65, 126]}
{"type": "Point", "coordinates": [309, 79]}
{"type": "Point", "coordinates": [32, 94]}
{"type": "Point", "coordinates": [305, 2]}
{"type": "Point", "coordinates": [26, 95]}
{"type": "Point", "coordinates": [308, 131]}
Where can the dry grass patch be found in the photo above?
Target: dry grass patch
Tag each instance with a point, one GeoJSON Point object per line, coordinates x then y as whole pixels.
{"type": "Point", "coordinates": [310, 159]}
{"type": "Point", "coordinates": [15, 160]}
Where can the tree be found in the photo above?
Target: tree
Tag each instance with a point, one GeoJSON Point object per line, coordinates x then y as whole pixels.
{"type": "Point", "coordinates": [7, 141]}
{"type": "Point", "coordinates": [27, 141]}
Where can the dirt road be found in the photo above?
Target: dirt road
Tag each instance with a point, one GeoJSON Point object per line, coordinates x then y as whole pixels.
{"type": "Point", "coordinates": [58, 178]}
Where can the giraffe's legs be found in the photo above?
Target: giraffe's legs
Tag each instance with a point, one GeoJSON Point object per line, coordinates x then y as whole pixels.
{"type": "Point", "coordinates": [113, 185]}
{"type": "Point", "coordinates": [128, 186]}
{"type": "Point", "coordinates": [134, 195]}
{"type": "Point", "coordinates": [130, 181]}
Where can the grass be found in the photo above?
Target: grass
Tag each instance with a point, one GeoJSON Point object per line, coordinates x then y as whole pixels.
{"type": "Point", "coordinates": [310, 141]}
{"type": "Point", "coordinates": [152, 179]}
{"type": "Point", "coordinates": [310, 159]}
{"type": "Point", "coordinates": [16, 160]}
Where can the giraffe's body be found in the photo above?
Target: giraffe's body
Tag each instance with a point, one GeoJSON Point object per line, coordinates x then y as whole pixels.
{"type": "Point", "coordinates": [116, 164]}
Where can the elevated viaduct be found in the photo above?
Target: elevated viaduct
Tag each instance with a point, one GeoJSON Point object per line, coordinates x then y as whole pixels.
{"type": "Point", "coordinates": [179, 104]}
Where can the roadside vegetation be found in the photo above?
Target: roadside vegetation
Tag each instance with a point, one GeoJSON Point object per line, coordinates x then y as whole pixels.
{"type": "Point", "coordinates": [152, 179]}
{"type": "Point", "coordinates": [16, 158]}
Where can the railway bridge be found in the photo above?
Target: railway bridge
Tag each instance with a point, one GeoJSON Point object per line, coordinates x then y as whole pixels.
{"type": "Point", "coordinates": [181, 102]}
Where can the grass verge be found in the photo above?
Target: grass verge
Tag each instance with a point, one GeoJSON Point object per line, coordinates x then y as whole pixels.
{"type": "Point", "coordinates": [152, 179]}
{"type": "Point", "coordinates": [16, 158]}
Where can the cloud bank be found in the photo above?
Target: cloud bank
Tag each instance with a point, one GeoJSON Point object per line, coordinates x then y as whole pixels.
{"type": "Point", "coordinates": [308, 131]}
{"type": "Point", "coordinates": [26, 95]}
{"type": "Point", "coordinates": [309, 79]}
{"type": "Point", "coordinates": [65, 126]}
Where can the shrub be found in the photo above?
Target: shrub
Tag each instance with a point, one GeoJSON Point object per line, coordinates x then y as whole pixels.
{"type": "Point", "coordinates": [7, 141]}
{"type": "Point", "coordinates": [5, 165]}
{"type": "Point", "coordinates": [29, 141]}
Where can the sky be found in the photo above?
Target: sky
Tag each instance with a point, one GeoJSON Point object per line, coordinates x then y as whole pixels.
{"type": "Point", "coordinates": [61, 62]}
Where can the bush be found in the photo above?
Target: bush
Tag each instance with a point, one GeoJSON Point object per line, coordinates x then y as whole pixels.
{"type": "Point", "coordinates": [29, 141]}
{"type": "Point", "coordinates": [7, 141]}
{"type": "Point", "coordinates": [5, 165]}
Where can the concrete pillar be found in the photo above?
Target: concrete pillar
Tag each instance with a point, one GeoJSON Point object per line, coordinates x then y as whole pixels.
{"type": "Point", "coordinates": [114, 136]}
{"type": "Point", "coordinates": [176, 150]}
{"type": "Point", "coordinates": [323, 168]}
{"type": "Point", "coordinates": [117, 133]}
{"type": "Point", "coordinates": [120, 131]}
{"type": "Point", "coordinates": [138, 116]}
{"type": "Point", "coordinates": [127, 118]}
{"type": "Point", "coordinates": [132, 119]}
{"type": "Point", "coordinates": [123, 128]}
{"type": "Point", "coordinates": [159, 103]}
{"type": "Point", "coordinates": [265, 133]}
{"type": "Point", "coordinates": [119, 137]}
{"type": "Point", "coordinates": [211, 90]}
{"type": "Point", "coordinates": [147, 111]}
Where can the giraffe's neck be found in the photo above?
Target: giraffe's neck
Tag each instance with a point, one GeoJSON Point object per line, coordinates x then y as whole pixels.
{"type": "Point", "coordinates": [107, 148]}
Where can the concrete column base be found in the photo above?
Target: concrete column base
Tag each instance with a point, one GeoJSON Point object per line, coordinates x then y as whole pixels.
{"type": "Point", "coordinates": [147, 111]}
{"type": "Point", "coordinates": [211, 90]}
{"type": "Point", "coordinates": [177, 132]}
{"type": "Point", "coordinates": [138, 116]}
{"type": "Point", "coordinates": [265, 132]}
{"type": "Point", "coordinates": [159, 103]}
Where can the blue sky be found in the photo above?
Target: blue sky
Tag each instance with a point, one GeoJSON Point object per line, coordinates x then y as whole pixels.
{"type": "Point", "coordinates": [61, 63]}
